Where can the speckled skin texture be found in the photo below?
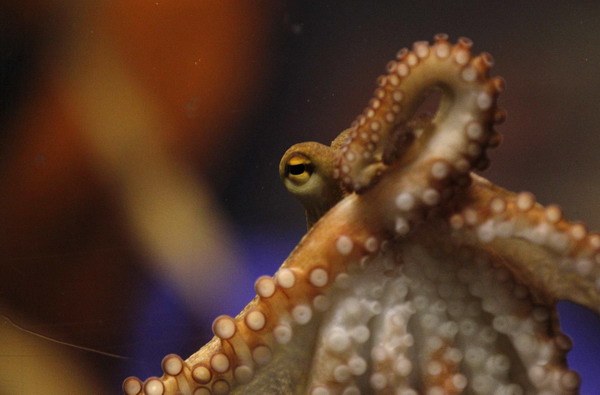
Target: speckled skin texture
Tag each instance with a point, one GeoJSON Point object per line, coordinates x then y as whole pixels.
{"type": "Point", "coordinates": [424, 278]}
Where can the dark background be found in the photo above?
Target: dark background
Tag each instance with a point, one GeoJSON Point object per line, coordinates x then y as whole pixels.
{"type": "Point", "coordinates": [308, 68]}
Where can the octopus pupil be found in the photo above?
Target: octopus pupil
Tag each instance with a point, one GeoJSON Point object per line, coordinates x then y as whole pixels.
{"type": "Point", "coordinates": [297, 169]}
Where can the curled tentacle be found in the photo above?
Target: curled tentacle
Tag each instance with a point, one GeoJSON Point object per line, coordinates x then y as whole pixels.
{"type": "Point", "coordinates": [458, 135]}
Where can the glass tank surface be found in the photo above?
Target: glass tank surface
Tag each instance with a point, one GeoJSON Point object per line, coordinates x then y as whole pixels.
{"type": "Point", "coordinates": [139, 189]}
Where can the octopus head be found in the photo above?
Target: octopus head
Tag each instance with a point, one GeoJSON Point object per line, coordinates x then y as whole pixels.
{"type": "Point", "coordinates": [306, 170]}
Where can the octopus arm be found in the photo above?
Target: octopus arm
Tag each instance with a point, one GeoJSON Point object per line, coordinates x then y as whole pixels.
{"type": "Point", "coordinates": [558, 259]}
{"type": "Point", "coordinates": [401, 286]}
{"type": "Point", "coordinates": [268, 348]}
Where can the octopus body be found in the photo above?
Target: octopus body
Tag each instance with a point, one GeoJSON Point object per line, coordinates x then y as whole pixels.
{"type": "Point", "coordinates": [420, 277]}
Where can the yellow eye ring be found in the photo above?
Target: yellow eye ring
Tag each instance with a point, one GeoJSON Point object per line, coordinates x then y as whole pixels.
{"type": "Point", "coordinates": [298, 169]}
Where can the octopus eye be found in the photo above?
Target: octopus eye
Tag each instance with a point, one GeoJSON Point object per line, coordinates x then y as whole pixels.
{"type": "Point", "coordinates": [298, 169]}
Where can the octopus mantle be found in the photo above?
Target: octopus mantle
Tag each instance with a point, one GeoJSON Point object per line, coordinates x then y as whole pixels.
{"type": "Point", "coordinates": [425, 279]}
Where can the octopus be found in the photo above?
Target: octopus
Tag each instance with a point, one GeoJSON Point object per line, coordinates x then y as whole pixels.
{"type": "Point", "coordinates": [416, 276]}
